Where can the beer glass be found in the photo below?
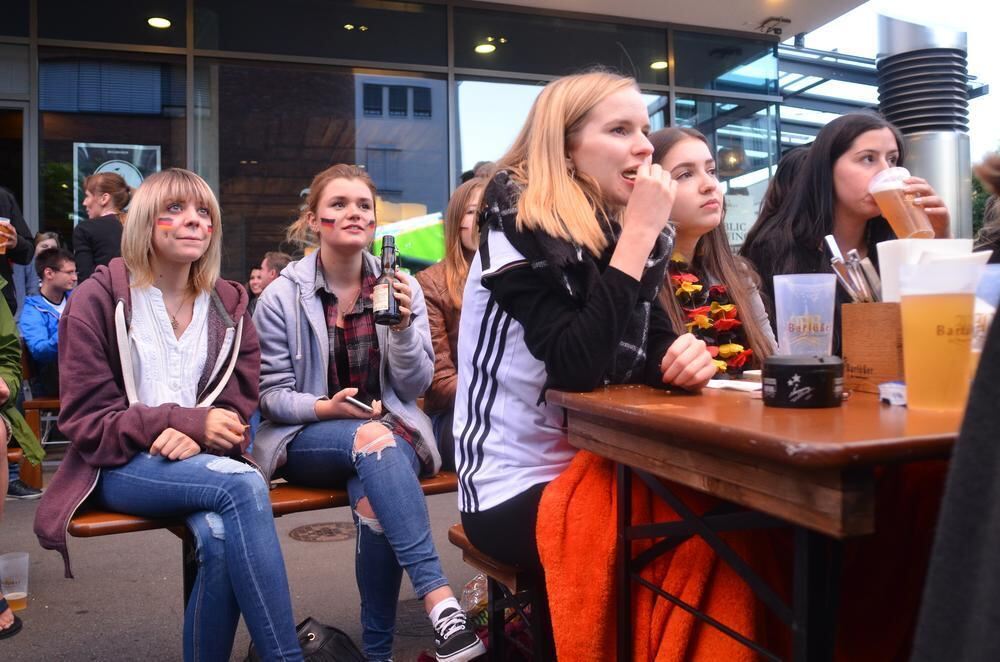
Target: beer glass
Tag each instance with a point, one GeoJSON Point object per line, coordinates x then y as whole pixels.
{"type": "Point", "coordinates": [987, 300]}
{"type": "Point", "coordinates": [14, 579]}
{"type": "Point", "coordinates": [6, 230]}
{"type": "Point", "coordinates": [804, 310]}
{"type": "Point", "coordinates": [908, 220]}
{"type": "Point", "coordinates": [936, 306]}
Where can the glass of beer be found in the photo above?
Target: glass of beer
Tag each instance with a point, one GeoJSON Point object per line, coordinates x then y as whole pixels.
{"type": "Point", "coordinates": [6, 231]}
{"type": "Point", "coordinates": [804, 310]}
{"type": "Point", "coordinates": [908, 221]}
{"type": "Point", "coordinates": [14, 579]}
{"type": "Point", "coordinates": [987, 300]}
{"type": "Point", "coordinates": [937, 303]}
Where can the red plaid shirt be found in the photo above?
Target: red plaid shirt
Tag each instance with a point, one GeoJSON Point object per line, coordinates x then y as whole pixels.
{"type": "Point", "coordinates": [360, 344]}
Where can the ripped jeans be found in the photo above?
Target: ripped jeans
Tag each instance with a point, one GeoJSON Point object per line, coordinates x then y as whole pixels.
{"type": "Point", "coordinates": [322, 455]}
{"type": "Point", "coordinates": [240, 567]}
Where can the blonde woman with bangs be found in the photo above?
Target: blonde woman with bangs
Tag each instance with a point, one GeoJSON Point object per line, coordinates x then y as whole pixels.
{"type": "Point", "coordinates": [561, 295]}
{"type": "Point", "coordinates": [159, 364]}
{"type": "Point", "coordinates": [443, 285]}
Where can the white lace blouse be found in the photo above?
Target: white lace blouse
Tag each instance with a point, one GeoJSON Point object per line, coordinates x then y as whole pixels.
{"type": "Point", "coordinates": [167, 369]}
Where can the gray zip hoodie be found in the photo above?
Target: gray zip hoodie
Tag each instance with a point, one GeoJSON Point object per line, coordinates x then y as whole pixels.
{"type": "Point", "coordinates": [295, 359]}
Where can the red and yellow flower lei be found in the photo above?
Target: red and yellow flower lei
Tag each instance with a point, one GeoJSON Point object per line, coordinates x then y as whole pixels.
{"type": "Point", "coordinates": [711, 316]}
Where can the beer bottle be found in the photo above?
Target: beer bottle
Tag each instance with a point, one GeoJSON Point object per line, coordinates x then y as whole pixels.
{"type": "Point", "coordinates": [385, 305]}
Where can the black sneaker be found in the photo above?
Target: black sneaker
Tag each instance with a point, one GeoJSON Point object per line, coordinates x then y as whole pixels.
{"type": "Point", "coordinates": [18, 490]}
{"type": "Point", "coordinates": [455, 640]}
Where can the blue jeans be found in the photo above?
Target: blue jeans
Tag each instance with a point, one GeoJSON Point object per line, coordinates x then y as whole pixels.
{"type": "Point", "coordinates": [240, 567]}
{"type": "Point", "coordinates": [322, 455]}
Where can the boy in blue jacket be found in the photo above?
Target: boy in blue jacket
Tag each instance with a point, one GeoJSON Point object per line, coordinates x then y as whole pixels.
{"type": "Point", "coordinates": [39, 322]}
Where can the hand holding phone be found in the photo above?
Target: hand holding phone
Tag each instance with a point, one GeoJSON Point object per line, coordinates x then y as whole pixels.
{"type": "Point", "coordinates": [359, 404]}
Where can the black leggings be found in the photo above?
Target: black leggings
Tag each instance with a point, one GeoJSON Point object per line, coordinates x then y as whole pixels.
{"type": "Point", "coordinates": [507, 531]}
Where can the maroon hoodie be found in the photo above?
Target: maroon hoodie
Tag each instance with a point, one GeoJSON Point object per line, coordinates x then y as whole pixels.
{"type": "Point", "coordinates": [94, 412]}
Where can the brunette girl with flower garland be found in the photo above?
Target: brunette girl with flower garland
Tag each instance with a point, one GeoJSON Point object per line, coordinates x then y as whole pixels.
{"type": "Point", "coordinates": [709, 291]}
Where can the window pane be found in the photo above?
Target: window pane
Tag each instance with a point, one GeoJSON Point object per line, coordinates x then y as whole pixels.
{"type": "Point", "coordinates": [264, 131]}
{"type": "Point", "coordinates": [490, 115]}
{"type": "Point", "coordinates": [114, 21]}
{"type": "Point", "coordinates": [732, 64]}
{"type": "Point", "coordinates": [398, 101]}
{"type": "Point", "coordinates": [743, 135]}
{"type": "Point", "coordinates": [556, 46]}
{"type": "Point", "coordinates": [15, 18]}
{"type": "Point", "coordinates": [98, 113]}
{"type": "Point", "coordinates": [384, 31]}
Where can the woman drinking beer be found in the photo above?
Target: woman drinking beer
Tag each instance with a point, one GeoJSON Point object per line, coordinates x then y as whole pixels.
{"type": "Point", "coordinates": [831, 196]}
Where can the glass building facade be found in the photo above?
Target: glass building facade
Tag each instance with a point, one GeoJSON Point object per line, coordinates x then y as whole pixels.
{"type": "Point", "coordinates": [259, 96]}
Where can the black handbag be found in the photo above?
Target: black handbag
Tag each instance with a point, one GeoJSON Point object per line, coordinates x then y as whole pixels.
{"type": "Point", "coordinates": [320, 643]}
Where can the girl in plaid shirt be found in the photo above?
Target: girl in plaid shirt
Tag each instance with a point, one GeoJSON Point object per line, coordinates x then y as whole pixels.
{"type": "Point", "coordinates": [320, 346]}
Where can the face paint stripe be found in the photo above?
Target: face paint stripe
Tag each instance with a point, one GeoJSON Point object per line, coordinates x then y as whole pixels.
{"type": "Point", "coordinates": [164, 222]}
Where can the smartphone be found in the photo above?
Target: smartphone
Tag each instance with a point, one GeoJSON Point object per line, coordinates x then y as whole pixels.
{"type": "Point", "coordinates": [358, 403]}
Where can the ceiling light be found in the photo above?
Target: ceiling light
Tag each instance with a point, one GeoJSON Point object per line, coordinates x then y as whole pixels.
{"type": "Point", "coordinates": [158, 22]}
{"type": "Point", "coordinates": [348, 26]}
{"type": "Point", "coordinates": [489, 39]}
{"type": "Point", "coordinates": [659, 65]}
{"type": "Point", "coordinates": [483, 49]}
{"type": "Point", "coordinates": [503, 40]}
{"type": "Point", "coordinates": [363, 28]}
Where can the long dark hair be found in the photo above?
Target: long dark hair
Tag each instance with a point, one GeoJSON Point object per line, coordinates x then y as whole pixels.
{"type": "Point", "coordinates": [787, 172]}
{"type": "Point", "coordinates": [789, 240]}
{"type": "Point", "coordinates": [714, 256]}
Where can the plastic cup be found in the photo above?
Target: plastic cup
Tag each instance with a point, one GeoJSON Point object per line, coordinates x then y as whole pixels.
{"type": "Point", "coordinates": [987, 300]}
{"type": "Point", "coordinates": [937, 314]}
{"type": "Point", "coordinates": [14, 579]}
{"type": "Point", "coordinates": [908, 220]}
{"type": "Point", "coordinates": [895, 253]}
{"type": "Point", "coordinates": [6, 230]}
{"type": "Point", "coordinates": [804, 309]}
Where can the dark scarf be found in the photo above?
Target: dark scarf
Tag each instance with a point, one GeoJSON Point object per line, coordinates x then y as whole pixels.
{"type": "Point", "coordinates": [571, 268]}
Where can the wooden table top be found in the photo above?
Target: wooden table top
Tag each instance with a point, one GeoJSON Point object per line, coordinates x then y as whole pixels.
{"type": "Point", "coordinates": [861, 432]}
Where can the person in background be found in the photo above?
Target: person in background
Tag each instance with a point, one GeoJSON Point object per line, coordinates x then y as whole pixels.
{"type": "Point", "coordinates": [271, 266]}
{"type": "Point", "coordinates": [25, 277]}
{"type": "Point", "coordinates": [320, 348]}
{"type": "Point", "coordinates": [255, 285]}
{"type": "Point", "coordinates": [989, 235]}
{"type": "Point", "coordinates": [161, 364]}
{"type": "Point", "coordinates": [39, 321]}
{"type": "Point", "coordinates": [443, 284]}
{"type": "Point", "coordinates": [708, 290]}
{"type": "Point", "coordinates": [99, 240]}
{"type": "Point", "coordinates": [779, 188]}
{"type": "Point", "coordinates": [830, 196]}
{"type": "Point", "coordinates": [19, 248]}
{"type": "Point", "coordinates": [10, 418]}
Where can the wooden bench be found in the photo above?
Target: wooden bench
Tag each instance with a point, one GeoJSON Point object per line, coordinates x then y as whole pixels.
{"type": "Point", "coordinates": [33, 407]}
{"type": "Point", "coordinates": [508, 587]}
{"type": "Point", "coordinates": [285, 500]}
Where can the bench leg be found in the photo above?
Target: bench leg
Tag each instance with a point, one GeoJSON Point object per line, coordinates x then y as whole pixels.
{"type": "Point", "coordinates": [189, 559]}
{"type": "Point", "coordinates": [497, 622]}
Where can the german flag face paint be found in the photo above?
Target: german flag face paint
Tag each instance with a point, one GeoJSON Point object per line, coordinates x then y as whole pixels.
{"type": "Point", "coordinates": [165, 223]}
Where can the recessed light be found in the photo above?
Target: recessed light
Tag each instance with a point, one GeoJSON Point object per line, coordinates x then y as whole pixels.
{"type": "Point", "coordinates": [483, 49]}
{"type": "Point", "coordinates": [348, 26]}
{"type": "Point", "coordinates": [489, 39]}
{"type": "Point", "coordinates": [158, 22]}
{"type": "Point", "coordinates": [659, 65]}
{"type": "Point", "coordinates": [363, 28]}
{"type": "Point", "coordinates": [503, 40]}
{"type": "Point", "coordinates": [64, 185]}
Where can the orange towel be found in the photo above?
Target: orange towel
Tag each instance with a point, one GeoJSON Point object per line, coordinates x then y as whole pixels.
{"type": "Point", "coordinates": [577, 544]}
{"type": "Point", "coordinates": [576, 531]}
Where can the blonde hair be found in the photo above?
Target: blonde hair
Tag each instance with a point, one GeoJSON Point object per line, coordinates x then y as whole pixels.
{"type": "Point", "coordinates": [114, 185]}
{"type": "Point", "coordinates": [148, 202]}
{"type": "Point", "coordinates": [456, 266]}
{"type": "Point", "coordinates": [555, 200]}
{"type": "Point", "coordinates": [299, 232]}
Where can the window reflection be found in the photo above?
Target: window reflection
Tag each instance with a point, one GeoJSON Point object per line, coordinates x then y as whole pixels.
{"type": "Point", "coordinates": [124, 114]}
{"type": "Point", "coordinates": [113, 21]}
{"type": "Point", "coordinates": [264, 130]}
{"type": "Point", "coordinates": [743, 135]}
{"type": "Point", "coordinates": [730, 64]}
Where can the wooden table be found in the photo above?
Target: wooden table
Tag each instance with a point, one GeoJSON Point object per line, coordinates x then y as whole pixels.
{"type": "Point", "coordinates": [809, 468]}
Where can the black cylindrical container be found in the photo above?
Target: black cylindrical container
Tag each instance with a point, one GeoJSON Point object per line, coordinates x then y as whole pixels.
{"type": "Point", "coordinates": [805, 382]}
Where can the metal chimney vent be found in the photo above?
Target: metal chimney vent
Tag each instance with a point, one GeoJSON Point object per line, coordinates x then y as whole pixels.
{"type": "Point", "coordinates": [925, 90]}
